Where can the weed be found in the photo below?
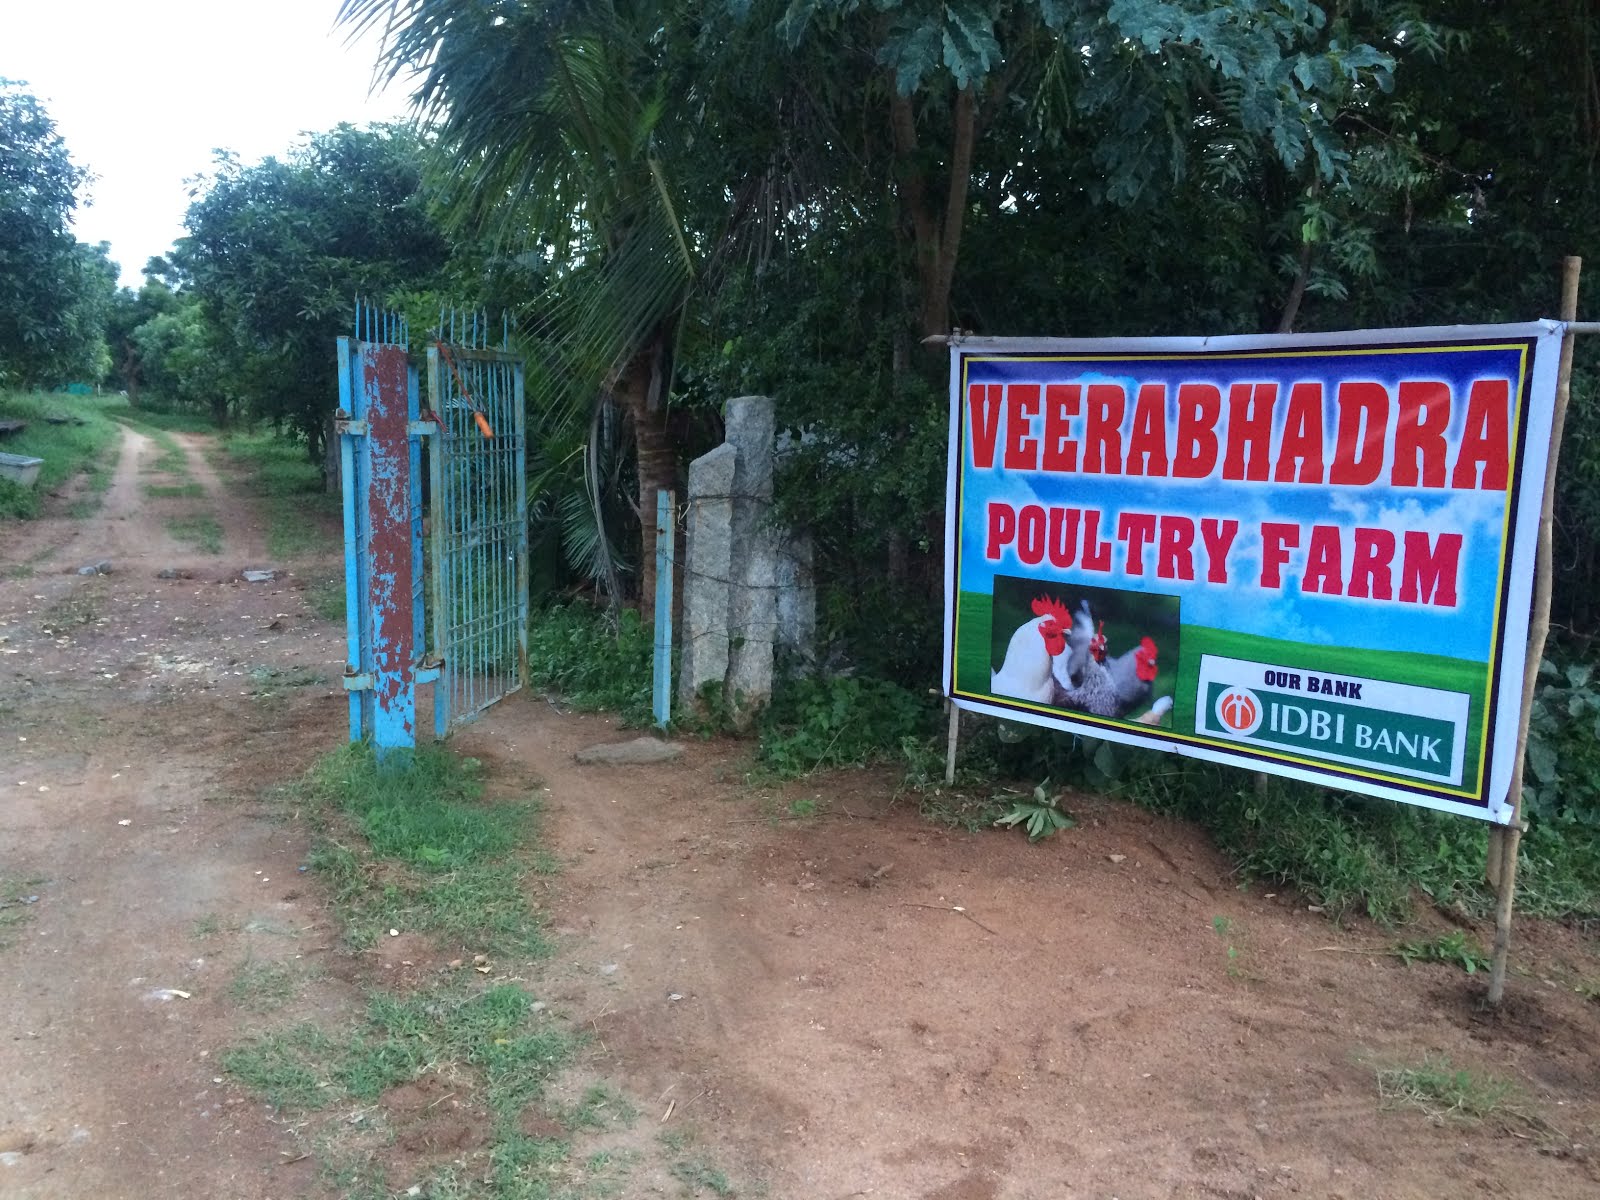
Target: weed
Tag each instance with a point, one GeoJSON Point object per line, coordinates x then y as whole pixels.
{"type": "Point", "coordinates": [1040, 813]}
{"type": "Point", "coordinates": [286, 1068]}
{"type": "Point", "coordinates": [269, 682]}
{"type": "Point", "coordinates": [1453, 947]}
{"type": "Point", "coordinates": [492, 1035]}
{"type": "Point", "coordinates": [1442, 1091]}
{"type": "Point", "coordinates": [698, 1174]}
{"type": "Point", "coordinates": [1224, 928]}
{"type": "Point", "coordinates": [600, 1106]}
{"type": "Point", "coordinates": [172, 460]}
{"type": "Point", "coordinates": [199, 530]}
{"type": "Point", "coordinates": [262, 986]}
{"type": "Point", "coordinates": [207, 926]}
{"type": "Point", "coordinates": [174, 491]}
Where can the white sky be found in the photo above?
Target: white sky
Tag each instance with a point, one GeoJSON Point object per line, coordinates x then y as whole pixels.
{"type": "Point", "coordinates": [143, 90]}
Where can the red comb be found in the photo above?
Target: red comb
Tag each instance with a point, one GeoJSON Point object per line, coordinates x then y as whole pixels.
{"type": "Point", "coordinates": [1045, 606]}
{"type": "Point", "coordinates": [1148, 646]}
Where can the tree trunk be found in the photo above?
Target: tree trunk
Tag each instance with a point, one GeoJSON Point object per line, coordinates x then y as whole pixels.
{"type": "Point", "coordinates": [641, 389]}
{"type": "Point", "coordinates": [936, 236]}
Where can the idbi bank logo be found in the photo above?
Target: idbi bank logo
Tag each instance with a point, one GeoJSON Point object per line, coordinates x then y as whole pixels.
{"type": "Point", "coordinates": [1392, 728]}
{"type": "Point", "coordinates": [1240, 711]}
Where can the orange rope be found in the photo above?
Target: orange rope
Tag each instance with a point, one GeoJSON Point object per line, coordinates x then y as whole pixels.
{"type": "Point", "coordinates": [482, 421]}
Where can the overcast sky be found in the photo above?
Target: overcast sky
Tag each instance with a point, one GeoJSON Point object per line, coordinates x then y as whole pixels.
{"type": "Point", "coordinates": [143, 90]}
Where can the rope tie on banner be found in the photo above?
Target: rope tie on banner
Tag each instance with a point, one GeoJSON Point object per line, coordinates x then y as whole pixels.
{"type": "Point", "coordinates": [478, 418]}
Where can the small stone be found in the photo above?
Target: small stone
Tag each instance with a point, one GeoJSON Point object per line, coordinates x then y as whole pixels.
{"type": "Point", "coordinates": [640, 751]}
{"type": "Point", "coordinates": [1116, 858]}
{"type": "Point", "coordinates": [264, 576]}
{"type": "Point", "coordinates": [103, 567]}
{"type": "Point", "coordinates": [609, 969]}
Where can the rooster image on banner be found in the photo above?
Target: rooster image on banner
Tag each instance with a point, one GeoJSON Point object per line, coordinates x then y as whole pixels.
{"type": "Point", "coordinates": [1090, 681]}
{"type": "Point", "coordinates": [1028, 672]}
{"type": "Point", "coordinates": [1062, 658]}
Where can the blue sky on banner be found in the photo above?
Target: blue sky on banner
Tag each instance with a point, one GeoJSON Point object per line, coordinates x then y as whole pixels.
{"type": "Point", "coordinates": [1242, 605]}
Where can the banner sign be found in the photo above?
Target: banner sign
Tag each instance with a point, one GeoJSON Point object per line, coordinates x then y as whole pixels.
{"type": "Point", "coordinates": [1310, 555]}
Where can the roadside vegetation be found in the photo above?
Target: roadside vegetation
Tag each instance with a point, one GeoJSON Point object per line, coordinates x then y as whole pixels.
{"type": "Point", "coordinates": [82, 444]}
{"type": "Point", "coordinates": [1345, 853]}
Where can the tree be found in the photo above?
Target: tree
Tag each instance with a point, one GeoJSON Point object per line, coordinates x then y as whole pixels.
{"type": "Point", "coordinates": [130, 310]}
{"type": "Point", "coordinates": [547, 120]}
{"type": "Point", "coordinates": [276, 252]}
{"type": "Point", "coordinates": [54, 290]}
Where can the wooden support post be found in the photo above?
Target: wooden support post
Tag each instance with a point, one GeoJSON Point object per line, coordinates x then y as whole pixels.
{"type": "Point", "coordinates": [1504, 842]}
{"type": "Point", "coordinates": [951, 740]}
{"type": "Point", "coordinates": [666, 533]}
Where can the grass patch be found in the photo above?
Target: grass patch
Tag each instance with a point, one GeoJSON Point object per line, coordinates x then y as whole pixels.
{"type": "Point", "coordinates": [1442, 1091]}
{"type": "Point", "coordinates": [409, 844]}
{"type": "Point", "coordinates": [263, 986]}
{"type": "Point", "coordinates": [494, 1036]}
{"type": "Point", "coordinates": [326, 598]}
{"type": "Point", "coordinates": [199, 530]}
{"type": "Point", "coordinates": [301, 516]}
{"type": "Point", "coordinates": [174, 491]}
{"type": "Point", "coordinates": [171, 460]}
{"type": "Point", "coordinates": [66, 449]}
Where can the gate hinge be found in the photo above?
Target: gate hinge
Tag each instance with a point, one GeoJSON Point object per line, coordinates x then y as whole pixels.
{"type": "Point", "coordinates": [421, 428]}
{"type": "Point", "coordinates": [347, 428]}
{"type": "Point", "coordinates": [429, 669]}
{"type": "Point", "coordinates": [356, 682]}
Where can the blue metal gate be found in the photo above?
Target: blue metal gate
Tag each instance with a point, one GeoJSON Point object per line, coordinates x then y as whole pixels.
{"type": "Point", "coordinates": [478, 512]}
{"type": "Point", "coordinates": [380, 460]}
{"type": "Point", "coordinates": [478, 516]}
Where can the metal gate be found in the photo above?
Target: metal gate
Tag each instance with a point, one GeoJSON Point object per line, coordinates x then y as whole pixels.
{"type": "Point", "coordinates": [478, 509]}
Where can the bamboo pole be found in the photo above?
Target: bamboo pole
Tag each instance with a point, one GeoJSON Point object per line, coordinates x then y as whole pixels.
{"type": "Point", "coordinates": [1510, 837]}
{"type": "Point", "coordinates": [952, 737]}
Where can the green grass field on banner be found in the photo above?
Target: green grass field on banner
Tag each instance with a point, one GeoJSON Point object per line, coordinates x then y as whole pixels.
{"type": "Point", "coordinates": [974, 662]}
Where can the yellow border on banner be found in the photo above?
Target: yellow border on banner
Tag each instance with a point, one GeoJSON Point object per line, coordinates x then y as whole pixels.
{"type": "Point", "coordinates": [1513, 466]}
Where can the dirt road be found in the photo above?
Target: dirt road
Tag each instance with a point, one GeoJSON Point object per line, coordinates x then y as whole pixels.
{"type": "Point", "coordinates": [861, 1004]}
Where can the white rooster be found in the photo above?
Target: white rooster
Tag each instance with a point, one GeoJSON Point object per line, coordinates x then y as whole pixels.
{"type": "Point", "coordinates": [1027, 672]}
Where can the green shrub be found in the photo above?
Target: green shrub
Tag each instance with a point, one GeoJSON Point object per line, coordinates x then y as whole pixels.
{"type": "Point", "coordinates": [839, 720]}
{"type": "Point", "coordinates": [592, 660]}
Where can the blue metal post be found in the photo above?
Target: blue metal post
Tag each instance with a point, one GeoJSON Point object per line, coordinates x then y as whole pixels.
{"type": "Point", "coordinates": [666, 508]}
{"type": "Point", "coordinates": [353, 589]}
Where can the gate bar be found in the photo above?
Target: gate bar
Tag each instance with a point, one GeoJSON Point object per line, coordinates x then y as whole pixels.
{"type": "Point", "coordinates": [666, 523]}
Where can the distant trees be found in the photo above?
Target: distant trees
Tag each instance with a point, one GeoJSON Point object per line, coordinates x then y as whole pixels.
{"type": "Point", "coordinates": [275, 254]}
{"type": "Point", "coordinates": [55, 291]}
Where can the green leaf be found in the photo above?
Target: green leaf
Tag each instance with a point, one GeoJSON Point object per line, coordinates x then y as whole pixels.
{"type": "Point", "coordinates": [1542, 758]}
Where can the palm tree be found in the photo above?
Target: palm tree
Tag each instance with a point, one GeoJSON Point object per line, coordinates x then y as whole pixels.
{"type": "Point", "coordinates": [546, 118]}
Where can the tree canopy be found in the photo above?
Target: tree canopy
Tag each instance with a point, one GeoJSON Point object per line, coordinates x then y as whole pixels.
{"type": "Point", "coordinates": [54, 290]}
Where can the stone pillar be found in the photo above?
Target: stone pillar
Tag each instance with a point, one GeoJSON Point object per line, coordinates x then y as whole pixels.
{"type": "Point", "coordinates": [753, 604]}
{"type": "Point", "coordinates": [707, 573]}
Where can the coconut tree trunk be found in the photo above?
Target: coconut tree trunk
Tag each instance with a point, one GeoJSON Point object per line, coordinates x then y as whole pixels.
{"type": "Point", "coordinates": [642, 390]}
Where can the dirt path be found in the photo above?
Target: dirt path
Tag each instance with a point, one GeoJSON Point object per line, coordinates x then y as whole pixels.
{"type": "Point", "coordinates": [132, 718]}
{"type": "Point", "coordinates": [861, 1004]}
